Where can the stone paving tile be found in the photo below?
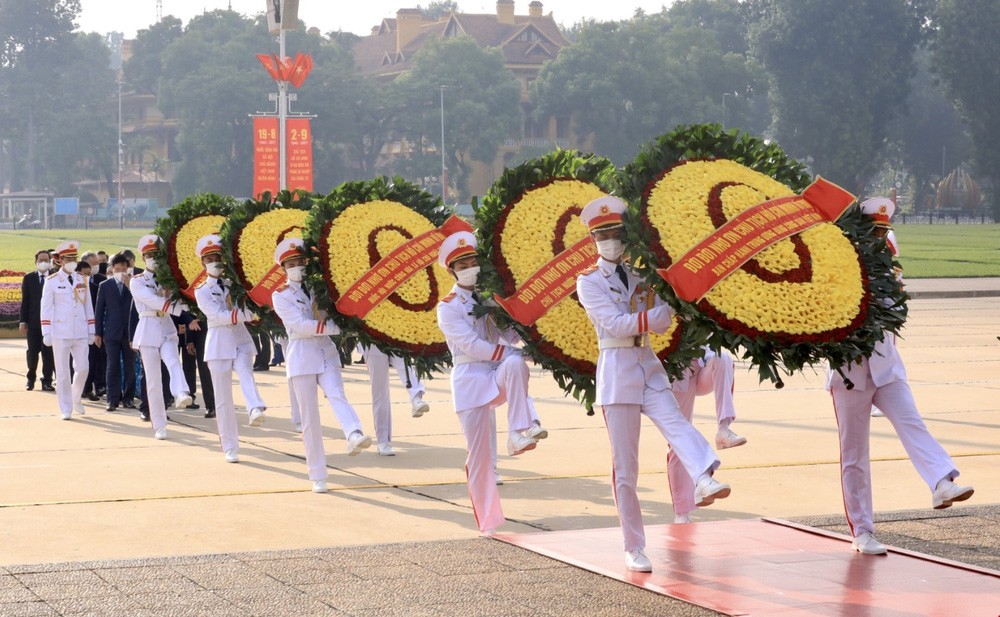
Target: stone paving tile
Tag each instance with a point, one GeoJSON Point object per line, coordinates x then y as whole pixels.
{"type": "Point", "coordinates": [26, 609]}
{"type": "Point", "coordinates": [351, 597]}
{"type": "Point", "coordinates": [73, 590]}
{"type": "Point", "coordinates": [10, 581]}
{"type": "Point", "coordinates": [231, 575]}
{"type": "Point", "coordinates": [204, 600]}
{"type": "Point", "coordinates": [380, 573]}
{"type": "Point", "coordinates": [260, 602]}
{"type": "Point", "coordinates": [140, 573]}
{"type": "Point", "coordinates": [303, 571]}
{"type": "Point", "coordinates": [16, 594]}
{"type": "Point", "coordinates": [115, 604]}
{"type": "Point", "coordinates": [173, 583]}
{"type": "Point", "coordinates": [64, 577]}
{"type": "Point", "coordinates": [441, 590]}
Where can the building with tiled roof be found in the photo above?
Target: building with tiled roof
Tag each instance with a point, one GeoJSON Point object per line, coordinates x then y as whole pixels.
{"type": "Point", "coordinates": [526, 41]}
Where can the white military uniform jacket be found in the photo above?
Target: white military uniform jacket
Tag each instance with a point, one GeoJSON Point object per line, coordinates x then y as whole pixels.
{"type": "Point", "coordinates": [309, 346]}
{"type": "Point", "coordinates": [226, 330]}
{"type": "Point", "coordinates": [477, 347]}
{"type": "Point", "coordinates": [67, 311]}
{"type": "Point", "coordinates": [155, 309]}
{"type": "Point", "coordinates": [623, 317]}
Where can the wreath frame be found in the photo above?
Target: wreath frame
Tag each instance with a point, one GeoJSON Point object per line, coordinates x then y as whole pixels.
{"type": "Point", "coordinates": [884, 301]}
{"type": "Point", "coordinates": [425, 359]}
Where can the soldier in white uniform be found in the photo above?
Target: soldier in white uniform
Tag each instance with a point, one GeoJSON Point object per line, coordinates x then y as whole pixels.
{"type": "Point", "coordinates": [881, 379]}
{"type": "Point", "coordinates": [712, 373]}
{"type": "Point", "coordinates": [488, 371]}
{"type": "Point", "coordinates": [631, 380]}
{"type": "Point", "coordinates": [228, 347]}
{"type": "Point", "coordinates": [67, 320]}
{"type": "Point", "coordinates": [156, 338]}
{"type": "Point", "coordinates": [378, 362]}
{"type": "Point", "coordinates": [311, 360]}
{"type": "Point", "coordinates": [886, 232]}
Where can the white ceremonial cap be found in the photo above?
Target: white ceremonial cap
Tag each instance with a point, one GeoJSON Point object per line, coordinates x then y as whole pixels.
{"type": "Point", "coordinates": [880, 209]}
{"type": "Point", "coordinates": [69, 247]}
{"type": "Point", "coordinates": [149, 243]}
{"type": "Point", "coordinates": [207, 245]}
{"type": "Point", "coordinates": [603, 212]}
{"type": "Point", "coordinates": [287, 249]}
{"type": "Point", "coordinates": [457, 245]}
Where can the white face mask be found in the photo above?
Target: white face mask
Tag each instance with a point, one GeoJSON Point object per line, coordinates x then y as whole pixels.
{"type": "Point", "coordinates": [610, 249]}
{"type": "Point", "coordinates": [69, 266]}
{"type": "Point", "coordinates": [119, 276]}
{"type": "Point", "coordinates": [214, 269]}
{"type": "Point", "coordinates": [296, 273]}
{"type": "Point", "coordinates": [151, 264]}
{"type": "Point", "coordinates": [468, 277]}
{"type": "Point", "coordinates": [43, 266]}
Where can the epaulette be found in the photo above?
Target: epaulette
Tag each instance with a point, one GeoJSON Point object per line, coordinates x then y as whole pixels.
{"type": "Point", "coordinates": [281, 288]}
{"type": "Point", "coordinates": [590, 269]}
{"type": "Point", "coordinates": [449, 297]}
{"type": "Point", "coordinates": [203, 283]}
{"type": "Point", "coordinates": [53, 275]}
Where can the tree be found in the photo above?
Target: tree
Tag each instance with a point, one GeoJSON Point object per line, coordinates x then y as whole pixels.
{"type": "Point", "coordinates": [626, 82]}
{"type": "Point", "coordinates": [34, 43]}
{"type": "Point", "coordinates": [839, 71]}
{"type": "Point", "coordinates": [481, 105]}
{"type": "Point", "coordinates": [966, 49]}
{"type": "Point", "coordinates": [212, 81]}
{"type": "Point", "coordinates": [143, 69]}
{"type": "Point", "coordinates": [438, 8]}
{"type": "Point", "coordinates": [930, 132]}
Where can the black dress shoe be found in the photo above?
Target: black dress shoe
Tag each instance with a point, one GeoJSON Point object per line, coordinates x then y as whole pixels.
{"type": "Point", "coordinates": [111, 407]}
{"type": "Point", "coordinates": [261, 368]}
{"type": "Point", "coordinates": [30, 385]}
{"type": "Point", "coordinates": [144, 416]}
{"type": "Point", "coordinates": [128, 405]}
{"type": "Point", "coordinates": [48, 388]}
{"type": "Point", "coordinates": [193, 406]}
{"type": "Point", "coordinates": [102, 391]}
{"type": "Point", "coordinates": [92, 397]}
{"type": "Point", "coordinates": [210, 413]}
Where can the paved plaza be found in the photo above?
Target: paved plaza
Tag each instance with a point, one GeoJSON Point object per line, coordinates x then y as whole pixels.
{"type": "Point", "coordinates": [96, 517]}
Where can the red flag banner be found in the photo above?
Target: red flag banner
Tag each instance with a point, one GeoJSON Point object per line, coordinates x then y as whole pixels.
{"type": "Point", "coordinates": [262, 291]}
{"type": "Point", "coordinates": [299, 70]}
{"type": "Point", "coordinates": [550, 284]}
{"type": "Point", "coordinates": [752, 231]}
{"type": "Point", "coordinates": [396, 268]}
{"type": "Point", "coordinates": [265, 155]}
{"type": "Point", "coordinates": [198, 280]}
{"type": "Point", "coordinates": [299, 153]}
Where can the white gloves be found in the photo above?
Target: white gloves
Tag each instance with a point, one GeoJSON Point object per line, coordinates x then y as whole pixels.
{"type": "Point", "coordinates": [47, 340]}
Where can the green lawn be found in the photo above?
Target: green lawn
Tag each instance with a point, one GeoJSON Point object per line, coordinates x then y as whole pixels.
{"type": "Point", "coordinates": [928, 251]}
{"type": "Point", "coordinates": [939, 251]}
{"type": "Point", "coordinates": [18, 248]}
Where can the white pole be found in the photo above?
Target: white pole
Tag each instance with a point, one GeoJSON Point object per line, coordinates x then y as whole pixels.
{"type": "Point", "coordinates": [282, 108]}
{"type": "Point", "coordinates": [444, 189]}
{"type": "Point", "coordinates": [121, 204]}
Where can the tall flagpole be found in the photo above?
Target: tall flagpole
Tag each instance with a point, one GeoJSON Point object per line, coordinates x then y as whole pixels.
{"type": "Point", "coordinates": [282, 109]}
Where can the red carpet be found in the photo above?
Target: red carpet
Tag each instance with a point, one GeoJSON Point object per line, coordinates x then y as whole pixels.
{"type": "Point", "coordinates": [775, 568]}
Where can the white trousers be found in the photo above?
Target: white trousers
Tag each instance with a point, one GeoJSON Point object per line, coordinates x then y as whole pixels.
{"type": "Point", "coordinates": [479, 428]}
{"type": "Point", "coordinates": [306, 403]}
{"type": "Point", "coordinates": [331, 382]}
{"type": "Point", "coordinates": [716, 376]}
{"type": "Point", "coordinates": [624, 423]}
{"type": "Point", "coordinates": [853, 411]}
{"type": "Point", "coordinates": [493, 428]}
{"type": "Point", "coordinates": [68, 392]}
{"type": "Point", "coordinates": [378, 364]}
{"type": "Point", "coordinates": [225, 406]}
{"type": "Point", "coordinates": [151, 358]}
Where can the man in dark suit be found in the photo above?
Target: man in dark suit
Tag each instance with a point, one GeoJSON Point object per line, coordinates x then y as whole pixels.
{"type": "Point", "coordinates": [114, 303]}
{"type": "Point", "coordinates": [192, 344]}
{"type": "Point", "coordinates": [94, 387]}
{"type": "Point", "coordinates": [31, 324]}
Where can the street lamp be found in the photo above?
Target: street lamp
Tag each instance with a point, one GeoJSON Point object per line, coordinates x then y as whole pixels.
{"type": "Point", "coordinates": [724, 95]}
{"type": "Point", "coordinates": [121, 203]}
{"type": "Point", "coordinates": [444, 171]}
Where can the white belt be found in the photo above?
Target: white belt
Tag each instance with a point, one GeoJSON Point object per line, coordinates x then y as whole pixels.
{"type": "Point", "coordinates": [463, 359]}
{"type": "Point", "coordinates": [152, 314]}
{"type": "Point", "coordinates": [641, 340]}
{"type": "Point", "coordinates": [296, 336]}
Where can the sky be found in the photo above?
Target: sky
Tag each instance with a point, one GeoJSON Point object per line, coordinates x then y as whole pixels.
{"type": "Point", "coordinates": [332, 15]}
